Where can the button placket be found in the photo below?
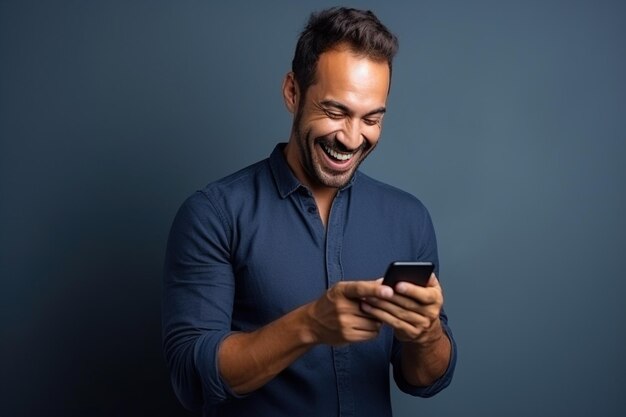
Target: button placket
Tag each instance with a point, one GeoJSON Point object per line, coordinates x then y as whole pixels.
{"type": "Point", "coordinates": [341, 355]}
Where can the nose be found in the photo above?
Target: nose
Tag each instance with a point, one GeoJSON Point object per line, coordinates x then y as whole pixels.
{"type": "Point", "coordinates": [350, 136]}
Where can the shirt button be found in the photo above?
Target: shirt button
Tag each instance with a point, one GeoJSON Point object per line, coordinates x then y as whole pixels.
{"type": "Point", "coordinates": [312, 210]}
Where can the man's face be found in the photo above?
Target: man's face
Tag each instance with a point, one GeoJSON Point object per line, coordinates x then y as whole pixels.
{"type": "Point", "coordinates": [340, 121]}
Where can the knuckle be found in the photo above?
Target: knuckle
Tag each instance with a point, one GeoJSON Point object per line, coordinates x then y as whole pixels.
{"type": "Point", "coordinates": [414, 333]}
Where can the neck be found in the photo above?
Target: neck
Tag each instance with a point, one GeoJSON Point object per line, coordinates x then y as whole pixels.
{"type": "Point", "coordinates": [324, 201]}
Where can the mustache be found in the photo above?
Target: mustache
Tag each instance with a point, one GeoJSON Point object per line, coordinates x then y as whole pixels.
{"type": "Point", "coordinates": [331, 142]}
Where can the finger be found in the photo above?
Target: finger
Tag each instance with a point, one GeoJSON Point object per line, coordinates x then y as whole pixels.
{"type": "Point", "coordinates": [423, 295]}
{"type": "Point", "coordinates": [367, 324]}
{"type": "Point", "coordinates": [411, 312]}
{"type": "Point", "coordinates": [360, 328]}
{"type": "Point", "coordinates": [363, 289]}
{"type": "Point", "coordinates": [433, 282]}
{"type": "Point", "coordinates": [403, 320]}
{"type": "Point", "coordinates": [399, 301]}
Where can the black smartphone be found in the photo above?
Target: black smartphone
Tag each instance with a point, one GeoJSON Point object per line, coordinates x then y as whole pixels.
{"type": "Point", "coordinates": [417, 273]}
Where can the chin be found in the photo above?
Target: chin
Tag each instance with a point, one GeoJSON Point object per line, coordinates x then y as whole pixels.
{"type": "Point", "coordinates": [334, 180]}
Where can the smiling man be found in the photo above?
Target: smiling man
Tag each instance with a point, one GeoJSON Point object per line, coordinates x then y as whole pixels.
{"type": "Point", "coordinates": [337, 122]}
{"type": "Point", "coordinates": [272, 303]}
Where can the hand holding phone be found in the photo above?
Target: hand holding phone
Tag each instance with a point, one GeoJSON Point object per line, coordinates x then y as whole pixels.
{"type": "Point", "coordinates": [417, 273]}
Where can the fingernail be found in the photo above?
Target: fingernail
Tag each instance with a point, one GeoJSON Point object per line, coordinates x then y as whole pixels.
{"type": "Point", "coordinates": [386, 291]}
{"type": "Point", "coordinates": [401, 288]}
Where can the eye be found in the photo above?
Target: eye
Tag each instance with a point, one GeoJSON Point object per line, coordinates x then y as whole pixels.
{"type": "Point", "coordinates": [371, 122]}
{"type": "Point", "coordinates": [334, 115]}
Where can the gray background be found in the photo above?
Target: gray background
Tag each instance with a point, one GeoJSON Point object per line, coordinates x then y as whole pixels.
{"type": "Point", "coordinates": [506, 118]}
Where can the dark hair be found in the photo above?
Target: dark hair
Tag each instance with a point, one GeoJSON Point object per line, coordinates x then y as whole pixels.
{"type": "Point", "coordinates": [359, 29]}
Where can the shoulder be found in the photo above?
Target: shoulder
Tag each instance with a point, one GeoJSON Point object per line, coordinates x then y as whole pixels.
{"type": "Point", "coordinates": [240, 183]}
{"type": "Point", "coordinates": [219, 197]}
{"type": "Point", "coordinates": [392, 208]}
{"type": "Point", "coordinates": [378, 193]}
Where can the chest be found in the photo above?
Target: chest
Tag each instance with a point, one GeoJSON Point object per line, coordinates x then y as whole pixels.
{"type": "Point", "coordinates": [285, 257]}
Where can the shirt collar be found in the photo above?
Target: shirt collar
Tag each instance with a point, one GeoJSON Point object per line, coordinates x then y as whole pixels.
{"type": "Point", "coordinates": [286, 181]}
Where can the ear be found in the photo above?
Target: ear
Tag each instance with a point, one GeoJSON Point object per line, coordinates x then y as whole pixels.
{"type": "Point", "coordinates": [291, 92]}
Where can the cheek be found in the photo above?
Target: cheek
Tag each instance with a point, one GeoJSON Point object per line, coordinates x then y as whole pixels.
{"type": "Point", "coordinates": [324, 127]}
{"type": "Point", "coordinates": [372, 134]}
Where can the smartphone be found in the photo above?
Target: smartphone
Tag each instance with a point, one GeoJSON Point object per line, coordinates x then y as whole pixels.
{"type": "Point", "coordinates": [417, 273]}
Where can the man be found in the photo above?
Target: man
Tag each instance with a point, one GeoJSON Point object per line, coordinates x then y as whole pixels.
{"type": "Point", "coordinates": [272, 306]}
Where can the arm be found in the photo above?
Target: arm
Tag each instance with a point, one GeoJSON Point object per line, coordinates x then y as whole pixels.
{"type": "Point", "coordinates": [208, 362]}
{"type": "Point", "coordinates": [197, 302]}
{"type": "Point", "coordinates": [247, 361]}
{"type": "Point", "coordinates": [425, 363]}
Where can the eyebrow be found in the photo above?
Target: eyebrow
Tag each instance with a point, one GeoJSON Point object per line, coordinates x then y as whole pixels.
{"type": "Point", "coordinates": [345, 109]}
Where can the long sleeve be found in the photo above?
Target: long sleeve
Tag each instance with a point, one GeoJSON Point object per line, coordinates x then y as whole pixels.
{"type": "Point", "coordinates": [439, 384]}
{"type": "Point", "coordinates": [197, 302]}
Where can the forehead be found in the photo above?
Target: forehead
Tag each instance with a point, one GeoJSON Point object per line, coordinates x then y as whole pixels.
{"type": "Point", "coordinates": [344, 74]}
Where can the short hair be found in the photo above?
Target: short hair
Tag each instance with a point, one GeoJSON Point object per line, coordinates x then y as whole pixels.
{"type": "Point", "coordinates": [359, 29]}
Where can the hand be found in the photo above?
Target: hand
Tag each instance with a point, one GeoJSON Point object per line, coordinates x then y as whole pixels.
{"type": "Point", "coordinates": [249, 360]}
{"type": "Point", "coordinates": [412, 311]}
{"type": "Point", "coordinates": [336, 318]}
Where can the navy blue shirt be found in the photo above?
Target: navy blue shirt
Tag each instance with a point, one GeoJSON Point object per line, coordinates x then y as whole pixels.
{"type": "Point", "coordinates": [251, 247]}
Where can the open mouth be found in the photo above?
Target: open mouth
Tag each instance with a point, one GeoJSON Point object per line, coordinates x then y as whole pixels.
{"type": "Point", "coordinates": [339, 156]}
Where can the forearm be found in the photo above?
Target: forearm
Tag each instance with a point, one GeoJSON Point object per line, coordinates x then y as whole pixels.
{"type": "Point", "coordinates": [423, 364]}
{"type": "Point", "coordinates": [247, 361]}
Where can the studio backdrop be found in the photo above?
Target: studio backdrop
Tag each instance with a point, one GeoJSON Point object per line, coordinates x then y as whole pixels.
{"type": "Point", "coordinates": [506, 118]}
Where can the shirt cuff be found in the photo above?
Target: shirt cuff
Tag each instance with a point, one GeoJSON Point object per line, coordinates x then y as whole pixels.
{"type": "Point", "coordinates": [214, 389]}
{"type": "Point", "coordinates": [436, 386]}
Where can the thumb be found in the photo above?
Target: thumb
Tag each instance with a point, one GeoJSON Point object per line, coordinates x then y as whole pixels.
{"type": "Point", "coordinates": [364, 289]}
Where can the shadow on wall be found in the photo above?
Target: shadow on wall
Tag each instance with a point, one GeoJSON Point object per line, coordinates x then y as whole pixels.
{"type": "Point", "coordinates": [86, 329]}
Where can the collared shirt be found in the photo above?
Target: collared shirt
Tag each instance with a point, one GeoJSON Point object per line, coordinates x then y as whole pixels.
{"type": "Point", "coordinates": [251, 247]}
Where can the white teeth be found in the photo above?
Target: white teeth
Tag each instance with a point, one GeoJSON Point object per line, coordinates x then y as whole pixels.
{"type": "Point", "coordinates": [337, 155]}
